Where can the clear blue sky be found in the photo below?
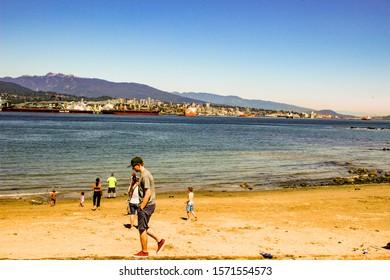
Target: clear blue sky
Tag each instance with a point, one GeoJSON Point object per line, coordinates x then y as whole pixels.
{"type": "Point", "coordinates": [319, 54]}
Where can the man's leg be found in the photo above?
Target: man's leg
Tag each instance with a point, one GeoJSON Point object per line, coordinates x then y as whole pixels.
{"type": "Point", "coordinates": [144, 240]}
{"type": "Point", "coordinates": [160, 241]}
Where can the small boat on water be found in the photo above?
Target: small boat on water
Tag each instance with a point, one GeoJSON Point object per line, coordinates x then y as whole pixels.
{"type": "Point", "coordinates": [287, 116]}
{"type": "Point", "coordinates": [190, 112]}
{"type": "Point", "coordinates": [366, 118]}
{"type": "Point", "coordinates": [79, 111]}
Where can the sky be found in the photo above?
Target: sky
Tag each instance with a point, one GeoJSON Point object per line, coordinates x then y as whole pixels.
{"type": "Point", "coordinates": [319, 54]}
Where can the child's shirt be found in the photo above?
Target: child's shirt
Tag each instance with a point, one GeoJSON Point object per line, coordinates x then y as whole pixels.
{"type": "Point", "coordinates": [190, 198]}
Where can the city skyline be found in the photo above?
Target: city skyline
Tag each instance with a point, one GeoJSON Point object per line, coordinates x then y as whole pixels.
{"type": "Point", "coordinates": [321, 55]}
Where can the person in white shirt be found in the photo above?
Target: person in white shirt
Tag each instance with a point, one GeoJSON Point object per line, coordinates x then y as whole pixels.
{"type": "Point", "coordinates": [133, 200]}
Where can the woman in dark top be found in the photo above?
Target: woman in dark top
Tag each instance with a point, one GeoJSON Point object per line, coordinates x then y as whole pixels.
{"type": "Point", "coordinates": [97, 194]}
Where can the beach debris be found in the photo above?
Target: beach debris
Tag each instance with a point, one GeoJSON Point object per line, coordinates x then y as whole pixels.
{"type": "Point", "coordinates": [365, 252]}
{"type": "Point", "coordinates": [266, 255]}
{"type": "Point", "coordinates": [36, 202]}
{"type": "Point", "coordinates": [246, 186]}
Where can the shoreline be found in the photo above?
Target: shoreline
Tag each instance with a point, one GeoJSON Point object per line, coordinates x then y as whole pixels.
{"type": "Point", "coordinates": [357, 176]}
{"type": "Point", "coordinates": [311, 223]}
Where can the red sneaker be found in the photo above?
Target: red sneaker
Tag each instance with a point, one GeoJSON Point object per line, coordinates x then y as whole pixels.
{"type": "Point", "coordinates": [160, 245]}
{"type": "Point", "coordinates": [141, 254]}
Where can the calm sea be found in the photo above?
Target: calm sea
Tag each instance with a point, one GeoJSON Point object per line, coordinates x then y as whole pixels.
{"type": "Point", "coordinates": [67, 152]}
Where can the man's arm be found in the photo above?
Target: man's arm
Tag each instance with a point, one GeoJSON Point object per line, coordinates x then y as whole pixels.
{"type": "Point", "coordinates": [146, 198]}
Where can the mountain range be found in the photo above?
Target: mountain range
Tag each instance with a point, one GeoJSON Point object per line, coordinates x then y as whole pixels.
{"type": "Point", "coordinates": [69, 84]}
{"type": "Point", "coordinates": [232, 100]}
{"type": "Point", "coordinates": [92, 87]}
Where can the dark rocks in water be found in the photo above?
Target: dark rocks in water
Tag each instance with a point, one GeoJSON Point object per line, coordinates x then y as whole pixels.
{"type": "Point", "coordinates": [360, 176]}
{"type": "Point", "coordinates": [246, 186]}
{"type": "Point", "coordinates": [343, 181]}
{"type": "Point", "coordinates": [358, 171]}
{"type": "Point", "coordinates": [368, 128]}
{"type": "Point", "coordinates": [337, 163]}
{"type": "Point", "coordinates": [365, 176]}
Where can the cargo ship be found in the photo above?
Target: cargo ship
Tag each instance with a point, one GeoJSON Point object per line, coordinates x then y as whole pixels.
{"type": "Point", "coordinates": [45, 110]}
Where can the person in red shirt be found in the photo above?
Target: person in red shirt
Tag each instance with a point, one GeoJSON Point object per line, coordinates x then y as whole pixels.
{"type": "Point", "coordinates": [53, 198]}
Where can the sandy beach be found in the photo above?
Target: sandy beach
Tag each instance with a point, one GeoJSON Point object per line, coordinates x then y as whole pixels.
{"type": "Point", "coordinates": [332, 223]}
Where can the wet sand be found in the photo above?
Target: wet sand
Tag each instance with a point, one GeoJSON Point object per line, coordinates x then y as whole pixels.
{"type": "Point", "coordinates": [332, 223]}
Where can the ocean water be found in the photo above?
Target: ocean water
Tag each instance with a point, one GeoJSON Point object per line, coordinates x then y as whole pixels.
{"type": "Point", "coordinates": [68, 152]}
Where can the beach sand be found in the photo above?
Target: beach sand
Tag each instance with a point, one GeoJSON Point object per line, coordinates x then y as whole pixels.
{"type": "Point", "coordinates": [333, 223]}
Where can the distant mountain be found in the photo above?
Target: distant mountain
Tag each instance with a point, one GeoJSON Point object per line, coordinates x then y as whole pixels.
{"type": "Point", "coordinates": [238, 101]}
{"type": "Point", "coordinates": [69, 84]}
{"type": "Point", "coordinates": [13, 88]}
{"type": "Point", "coordinates": [94, 88]}
{"type": "Point", "coordinates": [327, 112]}
{"type": "Point", "coordinates": [18, 94]}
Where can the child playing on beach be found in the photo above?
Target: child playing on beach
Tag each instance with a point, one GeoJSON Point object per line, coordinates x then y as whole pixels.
{"type": "Point", "coordinates": [190, 203]}
{"type": "Point", "coordinates": [53, 198]}
{"type": "Point", "coordinates": [82, 199]}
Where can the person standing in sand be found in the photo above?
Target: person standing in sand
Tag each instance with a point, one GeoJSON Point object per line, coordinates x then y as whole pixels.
{"type": "Point", "coordinates": [133, 200]}
{"type": "Point", "coordinates": [97, 194]}
{"type": "Point", "coordinates": [111, 185]}
{"type": "Point", "coordinates": [53, 198]}
{"type": "Point", "coordinates": [147, 196]}
{"type": "Point", "coordinates": [132, 181]}
{"type": "Point", "coordinates": [190, 204]}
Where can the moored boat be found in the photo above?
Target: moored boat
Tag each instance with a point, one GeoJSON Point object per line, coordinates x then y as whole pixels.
{"type": "Point", "coordinates": [190, 112]}
{"type": "Point", "coordinates": [31, 109]}
{"type": "Point", "coordinates": [44, 110]}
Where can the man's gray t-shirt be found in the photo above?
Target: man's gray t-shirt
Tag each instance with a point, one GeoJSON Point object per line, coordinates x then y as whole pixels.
{"type": "Point", "coordinates": [147, 182]}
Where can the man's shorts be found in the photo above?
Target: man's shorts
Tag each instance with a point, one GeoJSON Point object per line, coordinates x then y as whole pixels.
{"type": "Point", "coordinates": [111, 190]}
{"type": "Point", "coordinates": [144, 216]}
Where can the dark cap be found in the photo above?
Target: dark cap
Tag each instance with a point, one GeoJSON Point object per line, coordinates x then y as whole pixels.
{"type": "Point", "coordinates": [135, 161]}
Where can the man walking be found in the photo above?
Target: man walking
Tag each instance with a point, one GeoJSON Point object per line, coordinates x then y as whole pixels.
{"type": "Point", "coordinates": [147, 197]}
